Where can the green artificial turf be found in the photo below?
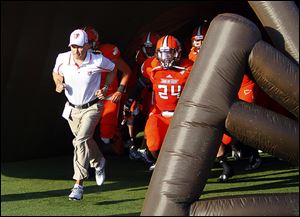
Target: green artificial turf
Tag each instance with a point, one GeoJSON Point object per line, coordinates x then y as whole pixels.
{"type": "Point", "coordinates": [41, 187]}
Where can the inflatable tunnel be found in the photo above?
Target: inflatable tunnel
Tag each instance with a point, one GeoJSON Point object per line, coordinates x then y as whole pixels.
{"type": "Point", "coordinates": [207, 106]}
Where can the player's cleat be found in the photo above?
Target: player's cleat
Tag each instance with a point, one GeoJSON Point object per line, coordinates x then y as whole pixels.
{"type": "Point", "coordinates": [134, 154]}
{"type": "Point", "coordinates": [254, 163]}
{"type": "Point", "coordinates": [144, 156]}
{"type": "Point", "coordinates": [224, 177]}
{"type": "Point", "coordinates": [152, 167]}
{"type": "Point", "coordinates": [76, 193]}
{"type": "Point", "coordinates": [236, 154]}
{"type": "Point", "coordinates": [227, 170]}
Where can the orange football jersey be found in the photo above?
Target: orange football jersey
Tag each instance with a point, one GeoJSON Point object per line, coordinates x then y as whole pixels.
{"type": "Point", "coordinates": [111, 52]}
{"type": "Point", "coordinates": [167, 84]}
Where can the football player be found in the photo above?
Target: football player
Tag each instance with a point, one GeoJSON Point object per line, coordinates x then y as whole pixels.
{"type": "Point", "coordinates": [167, 74]}
{"type": "Point", "coordinates": [142, 105]}
{"type": "Point", "coordinates": [110, 137]}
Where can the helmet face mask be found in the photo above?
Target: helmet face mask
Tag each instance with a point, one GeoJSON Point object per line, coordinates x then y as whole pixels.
{"type": "Point", "coordinates": [199, 34]}
{"type": "Point", "coordinates": [197, 43]}
{"type": "Point", "coordinates": [148, 45]}
{"type": "Point", "coordinates": [168, 51]}
{"type": "Point", "coordinates": [167, 57]}
{"type": "Point", "coordinates": [148, 50]}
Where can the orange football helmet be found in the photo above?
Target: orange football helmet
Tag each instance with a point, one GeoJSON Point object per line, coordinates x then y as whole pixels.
{"type": "Point", "coordinates": [149, 41]}
{"type": "Point", "coordinates": [93, 36]}
{"type": "Point", "coordinates": [199, 34]}
{"type": "Point", "coordinates": [168, 51]}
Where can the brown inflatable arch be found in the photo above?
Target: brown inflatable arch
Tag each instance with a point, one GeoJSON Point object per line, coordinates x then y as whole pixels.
{"type": "Point", "coordinates": [207, 106]}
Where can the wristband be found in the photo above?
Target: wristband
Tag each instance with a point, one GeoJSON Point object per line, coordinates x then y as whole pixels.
{"type": "Point", "coordinates": [122, 88]}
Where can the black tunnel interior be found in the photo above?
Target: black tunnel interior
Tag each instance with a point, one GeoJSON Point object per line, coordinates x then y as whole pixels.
{"type": "Point", "coordinates": [33, 33]}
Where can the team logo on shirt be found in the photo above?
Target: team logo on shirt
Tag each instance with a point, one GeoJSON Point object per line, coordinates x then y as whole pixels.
{"type": "Point", "coordinates": [247, 91]}
{"type": "Point", "coordinates": [168, 81]}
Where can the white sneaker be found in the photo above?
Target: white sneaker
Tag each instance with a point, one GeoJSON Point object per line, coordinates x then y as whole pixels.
{"type": "Point", "coordinates": [76, 193]}
{"type": "Point", "coordinates": [100, 172]}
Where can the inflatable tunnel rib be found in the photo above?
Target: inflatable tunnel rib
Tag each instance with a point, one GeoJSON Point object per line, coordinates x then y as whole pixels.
{"type": "Point", "coordinates": [280, 19]}
{"type": "Point", "coordinates": [265, 130]}
{"type": "Point", "coordinates": [277, 75]}
{"type": "Point", "coordinates": [284, 204]}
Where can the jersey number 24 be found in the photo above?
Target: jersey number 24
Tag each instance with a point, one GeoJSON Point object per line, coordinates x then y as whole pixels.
{"type": "Point", "coordinates": [164, 93]}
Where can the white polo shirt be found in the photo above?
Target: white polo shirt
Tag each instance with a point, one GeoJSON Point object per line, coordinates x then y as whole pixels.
{"type": "Point", "coordinates": [82, 81]}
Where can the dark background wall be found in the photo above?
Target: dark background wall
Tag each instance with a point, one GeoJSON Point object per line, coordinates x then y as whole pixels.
{"type": "Point", "coordinates": [32, 35]}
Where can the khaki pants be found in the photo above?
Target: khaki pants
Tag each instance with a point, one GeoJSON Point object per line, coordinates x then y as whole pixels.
{"type": "Point", "coordinates": [82, 123]}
